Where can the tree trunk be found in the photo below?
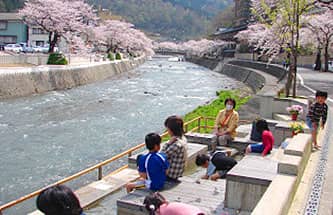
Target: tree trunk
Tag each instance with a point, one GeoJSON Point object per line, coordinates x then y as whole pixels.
{"type": "Point", "coordinates": [294, 68]}
{"type": "Point", "coordinates": [318, 61]}
{"type": "Point", "coordinates": [53, 40]}
{"type": "Point", "coordinates": [292, 79]}
{"type": "Point", "coordinates": [326, 57]}
{"type": "Point", "coordinates": [290, 76]}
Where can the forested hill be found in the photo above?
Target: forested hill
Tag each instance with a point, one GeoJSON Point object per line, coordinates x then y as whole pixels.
{"type": "Point", "coordinates": [174, 19]}
{"type": "Point", "coordinates": [10, 5]}
{"type": "Point", "coordinates": [208, 8]}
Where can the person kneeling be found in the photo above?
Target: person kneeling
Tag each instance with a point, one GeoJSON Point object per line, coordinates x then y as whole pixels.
{"type": "Point", "coordinates": [152, 166]}
{"type": "Point", "coordinates": [217, 166]}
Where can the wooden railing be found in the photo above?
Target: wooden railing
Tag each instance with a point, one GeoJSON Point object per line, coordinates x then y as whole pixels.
{"type": "Point", "coordinates": [99, 166]}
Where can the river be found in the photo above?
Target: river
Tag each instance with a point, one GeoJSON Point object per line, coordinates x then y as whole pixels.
{"type": "Point", "coordinates": [47, 137]}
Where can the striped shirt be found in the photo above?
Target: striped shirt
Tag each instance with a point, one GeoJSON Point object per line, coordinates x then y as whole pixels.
{"type": "Point", "coordinates": [317, 111]}
{"type": "Point", "coordinates": [176, 153]}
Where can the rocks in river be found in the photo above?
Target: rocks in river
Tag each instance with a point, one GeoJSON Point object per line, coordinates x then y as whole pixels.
{"type": "Point", "coordinates": [150, 93]}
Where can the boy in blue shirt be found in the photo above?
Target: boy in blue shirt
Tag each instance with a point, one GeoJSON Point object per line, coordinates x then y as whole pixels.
{"type": "Point", "coordinates": [152, 166]}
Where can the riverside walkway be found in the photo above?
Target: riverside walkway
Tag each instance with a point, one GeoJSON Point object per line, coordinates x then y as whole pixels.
{"type": "Point", "coordinates": [326, 208]}
{"type": "Point", "coordinates": [320, 198]}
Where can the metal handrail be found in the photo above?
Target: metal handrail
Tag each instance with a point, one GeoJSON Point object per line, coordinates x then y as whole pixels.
{"type": "Point", "coordinates": [98, 166]}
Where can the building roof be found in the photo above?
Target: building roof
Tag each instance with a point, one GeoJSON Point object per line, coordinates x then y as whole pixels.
{"type": "Point", "coordinates": [10, 16]}
{"type": "Point", "coordinates": [230, 30]}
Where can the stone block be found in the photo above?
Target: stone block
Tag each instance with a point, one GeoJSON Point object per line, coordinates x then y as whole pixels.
{"type": "Point", "coordinates": [243, 196]}
{"type": "Point", "coordinates": [207, 195]}
{"type": "Point", "coordinates": [248, 181]}
{"type": "Point", "coordinates": [278, 197]}
{"type": "Point", "coordinates": [290, 165]}
{"type": "Point", "coordinates": [205, 139]}
{"type": "Point", "coordinates": [299, 145]}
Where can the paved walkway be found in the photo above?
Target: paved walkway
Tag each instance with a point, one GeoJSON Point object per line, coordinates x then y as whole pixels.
{"type": "Point", "coordinates": [322, 189]}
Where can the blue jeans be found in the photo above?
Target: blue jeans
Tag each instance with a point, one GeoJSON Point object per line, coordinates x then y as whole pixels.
{"type": "Point", "coordinates": [257, 148]}
{"type": "Point", "coordinates": [309, 123]}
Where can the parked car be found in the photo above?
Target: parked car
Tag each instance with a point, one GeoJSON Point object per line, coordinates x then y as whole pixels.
{"type": "Point", "coordinates": [37, 48]}
{"type": "Point", "coordinates": [26, 48]}
{"type": "Point", "coordinates": [14, 48]}
{"type": "Point", "coordinates": [45, 48]}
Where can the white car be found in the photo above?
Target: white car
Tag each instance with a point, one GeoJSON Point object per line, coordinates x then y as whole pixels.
{"type": "Point", "coordinates": [13, 47]}
{"type": "Point", "coordinates": [47, 47]}
{"type": "Point", "coordinates": [37, 49]}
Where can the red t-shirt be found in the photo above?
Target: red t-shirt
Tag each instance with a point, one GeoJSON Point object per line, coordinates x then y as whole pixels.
{"type": "Point", "coordinates": [268, 141]}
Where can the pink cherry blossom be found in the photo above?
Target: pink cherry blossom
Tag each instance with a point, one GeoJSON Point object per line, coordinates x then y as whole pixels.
{"type": "Point", "coordinates": [60, 18]}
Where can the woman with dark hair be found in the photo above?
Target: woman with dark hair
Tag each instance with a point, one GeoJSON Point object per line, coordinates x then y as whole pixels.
{"type": "Point", "coordinates": [225, 124]}
{"type": "Point", "coordinates": [175, 148]}
{"type": "Point", "coordinates": [267, 139]}
{"type": "Point", "coordinates": [157, 204]}
{"type": "Point", "coordinates": [58, 200]}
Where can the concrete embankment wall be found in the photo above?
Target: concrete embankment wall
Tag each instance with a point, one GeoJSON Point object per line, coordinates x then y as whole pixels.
{"type": "Point", "coordinates": [244, 71]}
{"type": "Point", "coordinates": [36, 59]}
{"type": "Point", "coordinates": [26, 81]}
{"type": "Point", "coordinates": [304, 61]}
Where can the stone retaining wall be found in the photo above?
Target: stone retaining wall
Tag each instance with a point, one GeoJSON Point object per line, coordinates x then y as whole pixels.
{"type": "Point", "coordinates": [36, 59]}
{"type": "Point", "coordinates": [239, 72]}
{"type": "Point", "coordinates": [274, 70]}
{"type": "Point", "coordinates": [27, 81]}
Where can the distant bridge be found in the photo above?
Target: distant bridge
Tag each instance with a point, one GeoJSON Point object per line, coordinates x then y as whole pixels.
{"type": "Point", "coordinates": [169, 52]}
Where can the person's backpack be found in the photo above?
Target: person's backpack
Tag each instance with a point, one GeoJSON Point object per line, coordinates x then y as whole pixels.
{"type": "Point", "coordinates": [255, 135]}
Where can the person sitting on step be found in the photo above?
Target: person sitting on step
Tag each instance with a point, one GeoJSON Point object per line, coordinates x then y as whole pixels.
{"type": "Point", "coordinates": [152, 166]}
{"type": "Point", "coordinates": [217, 165]}
{"type": "Point", "coordinates": [59, 199]}
{"type": "Point", "coordinates": [225, 124]}
{"type": "Point", "coordinates": [267, 139]}
{"type": "Point", "coordinates": [156, 204]}
{"type": "Point", "coordinates": [175, 148]}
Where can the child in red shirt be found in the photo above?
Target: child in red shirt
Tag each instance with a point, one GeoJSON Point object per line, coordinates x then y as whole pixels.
{"type": "Point", "coordinates": [267, 139]}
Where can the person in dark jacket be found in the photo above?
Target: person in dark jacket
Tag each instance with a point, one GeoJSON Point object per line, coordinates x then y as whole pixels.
{"type": "Point", "coordinates": [217, 165]}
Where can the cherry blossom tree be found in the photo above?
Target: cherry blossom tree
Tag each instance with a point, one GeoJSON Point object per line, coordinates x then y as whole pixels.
{"type": "Point", "coordinates": [193, 47]}
{"type": "Point", "coordinates": [277, 28]}
{"type": "Point", "coordinates": [117, 35]}
{"type": "Point", "coordinates": [319, 31]}
{"type": "Point", "coordinates": [66, 19]}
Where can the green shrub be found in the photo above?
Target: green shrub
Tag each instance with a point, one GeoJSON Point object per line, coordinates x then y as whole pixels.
{"type": "Point", "coordinates": [118, 56]}
{"type": "Point", "coordinates": [57, 59]}
{"type": "Point", "coordinates": [111, 56]}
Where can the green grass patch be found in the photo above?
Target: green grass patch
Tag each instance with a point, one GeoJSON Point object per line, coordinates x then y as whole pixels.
{"type": "Point", "coordinates": [213, 108]}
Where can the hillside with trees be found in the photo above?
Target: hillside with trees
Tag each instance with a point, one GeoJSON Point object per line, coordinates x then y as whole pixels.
{"type": "Point", "coordinates": [173, 19]}
{"type": "Point", "coordinates": [10, 5]}
{"type": "Point", "coordinates": [160, 17]}
{"type": "Point", "coordinates": [208, 8]}
{"type": "Point", "coordinates": [170, 19]}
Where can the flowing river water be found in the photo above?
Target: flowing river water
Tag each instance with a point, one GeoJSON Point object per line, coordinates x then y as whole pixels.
{"type": "Point", "coordinates": [45, 138]}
